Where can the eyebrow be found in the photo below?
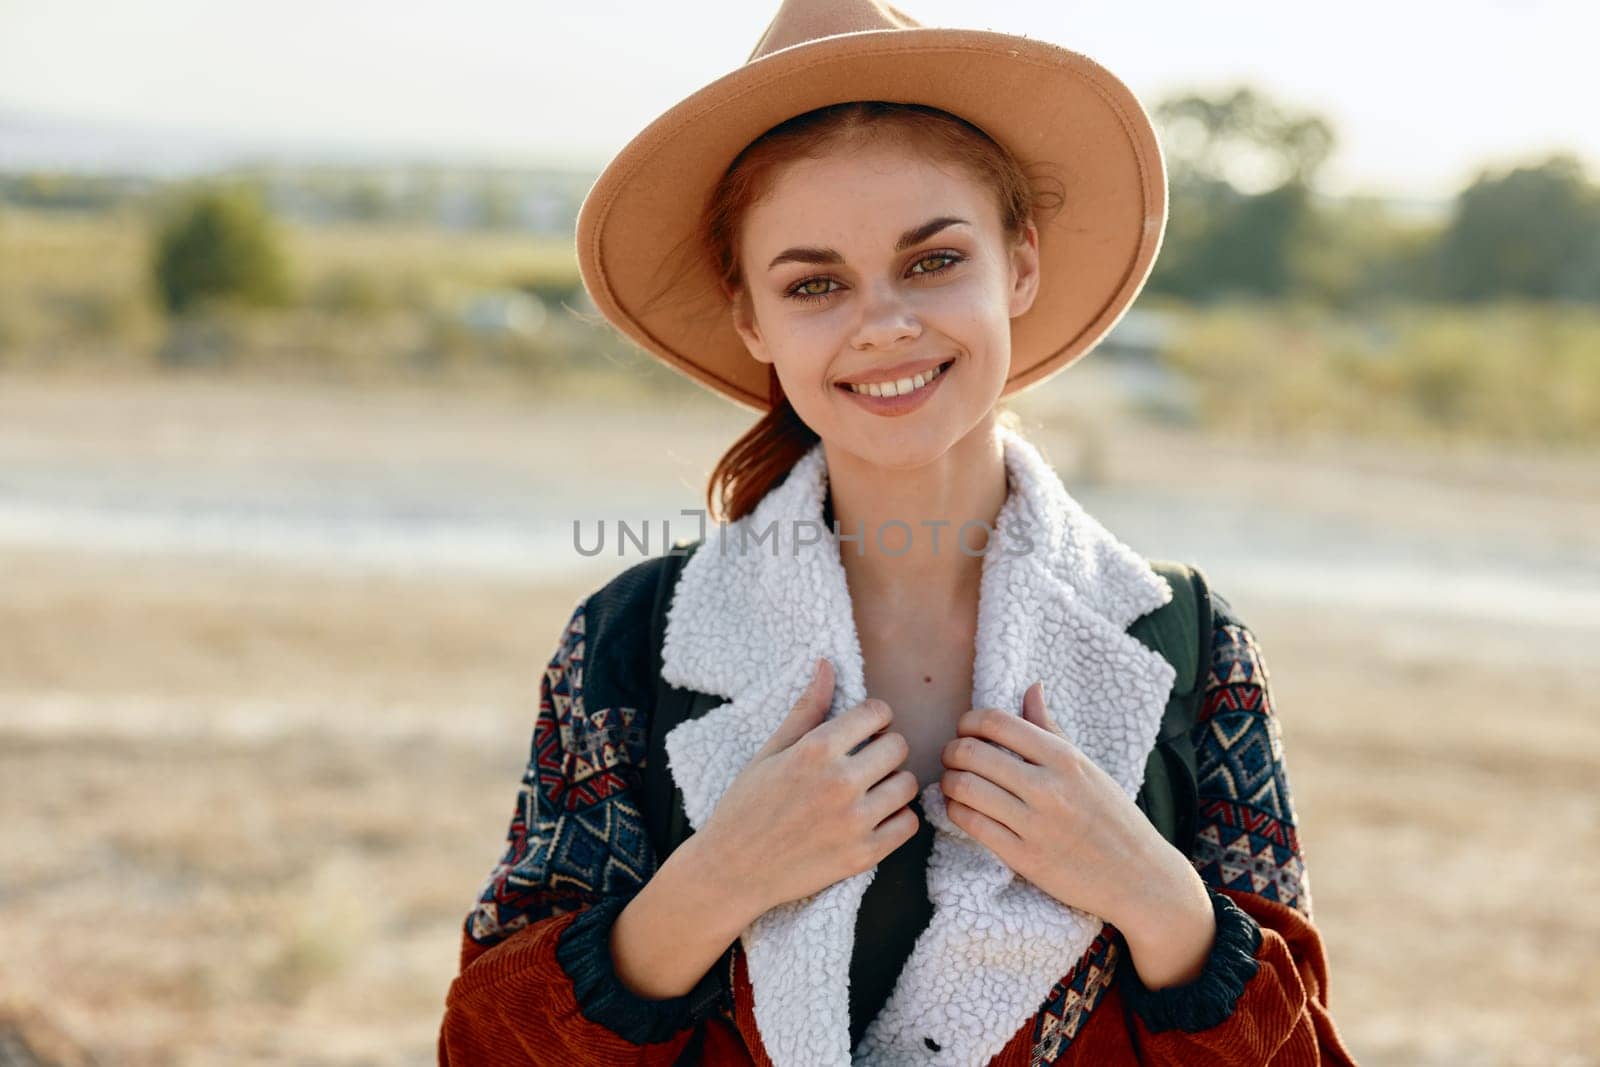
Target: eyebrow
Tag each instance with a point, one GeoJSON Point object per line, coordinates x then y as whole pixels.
{"type": "Point", "coordinates": [911, 237]}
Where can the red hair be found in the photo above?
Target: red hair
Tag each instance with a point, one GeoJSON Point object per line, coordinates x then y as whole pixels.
{"type": "Point", "coordinates": [760, 459]}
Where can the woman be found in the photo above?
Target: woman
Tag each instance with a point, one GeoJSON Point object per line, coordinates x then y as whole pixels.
{"type": "Point", "coordinates": [875, 278]}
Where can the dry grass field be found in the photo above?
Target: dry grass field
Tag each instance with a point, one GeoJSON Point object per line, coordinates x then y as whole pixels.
{"type": "Point", "coordinates": [247, 804]}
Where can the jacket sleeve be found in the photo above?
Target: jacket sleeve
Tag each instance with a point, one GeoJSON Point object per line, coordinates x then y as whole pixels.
{"type": "Point", "coordinates": [536, 982]}
{"type": "Point", "coordinates": [1262, 996]}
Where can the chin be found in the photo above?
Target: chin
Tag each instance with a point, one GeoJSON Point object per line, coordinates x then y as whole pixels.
{"type": "Point", "coordinates": [901, 444]}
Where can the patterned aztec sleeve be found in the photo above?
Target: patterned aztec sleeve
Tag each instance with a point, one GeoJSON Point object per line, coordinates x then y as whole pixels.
{"type": "Point", "coordinates": [1262, 996]}
{"type": "Point", "coordinates": [536, 982]}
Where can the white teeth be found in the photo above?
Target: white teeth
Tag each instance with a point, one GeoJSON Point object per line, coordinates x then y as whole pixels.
{"type": "Point", "coordinates": [900, 387]}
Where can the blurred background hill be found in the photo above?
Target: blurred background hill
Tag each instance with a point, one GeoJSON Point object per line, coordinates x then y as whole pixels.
{"type": "Point", "coordinates": [1472, 317]}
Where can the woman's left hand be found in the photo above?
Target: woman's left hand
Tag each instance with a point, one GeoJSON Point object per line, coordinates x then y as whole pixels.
{"type": "Point", "coordinates": [1056, 818]}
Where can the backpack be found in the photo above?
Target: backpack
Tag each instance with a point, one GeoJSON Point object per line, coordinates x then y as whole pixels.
{"type": "Point", "coordinates": [1179, 631]}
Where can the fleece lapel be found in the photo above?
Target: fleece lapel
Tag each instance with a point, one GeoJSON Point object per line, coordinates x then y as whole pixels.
{"type": "Point", "coordinates": [755, 607]}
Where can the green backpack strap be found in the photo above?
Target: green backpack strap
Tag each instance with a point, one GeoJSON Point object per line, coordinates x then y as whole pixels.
{"type": "Point", "coordinates": [1180, 632]}
{"type": "Point", "coordinates": [665, 821]}
{"type": "Point", "coordinates": [666, 824]}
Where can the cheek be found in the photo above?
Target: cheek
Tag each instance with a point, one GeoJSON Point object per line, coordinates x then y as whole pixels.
{"type": "Point", "coordinates": [802, 357]}
{"type": "Point", "coordinates": [977, 308]}
{"type": "Point", "coordinates": [978, 326]}
{"type": "Point", "coordinates": [802, 344]}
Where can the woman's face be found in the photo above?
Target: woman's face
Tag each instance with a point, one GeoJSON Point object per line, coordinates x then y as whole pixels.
{"type": "Point", "coordinates": [855, 272]}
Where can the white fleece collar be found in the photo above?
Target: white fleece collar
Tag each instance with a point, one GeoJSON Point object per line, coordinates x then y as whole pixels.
{"type": "Point", "coordinates": [748, 624]}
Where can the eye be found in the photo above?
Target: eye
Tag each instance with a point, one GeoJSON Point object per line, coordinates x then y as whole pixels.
{"type": "Point", "coordinates": [802, 290]}
{"type": "Point", "coordinates": [950, 259]}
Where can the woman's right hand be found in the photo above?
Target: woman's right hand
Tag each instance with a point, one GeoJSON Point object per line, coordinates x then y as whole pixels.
{"type": "Point", "coordinates": [810, 809]}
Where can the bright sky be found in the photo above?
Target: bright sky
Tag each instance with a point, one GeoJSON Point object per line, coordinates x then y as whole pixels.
{"type": "Point", "coordinates": [1421, 93]}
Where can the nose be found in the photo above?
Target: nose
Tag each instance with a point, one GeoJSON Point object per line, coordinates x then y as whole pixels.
{"type": "Point", "coordinates": [885, 321]}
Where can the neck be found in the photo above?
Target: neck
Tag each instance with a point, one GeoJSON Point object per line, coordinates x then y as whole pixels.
{"type": "Point", "coordinates": [910, 520]}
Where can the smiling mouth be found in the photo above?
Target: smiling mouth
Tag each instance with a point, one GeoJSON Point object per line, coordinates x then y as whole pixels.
{"type": "Point", "coordinates": [901, 386]}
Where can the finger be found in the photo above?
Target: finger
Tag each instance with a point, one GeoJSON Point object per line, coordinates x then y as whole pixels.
{"type": "Point", "coordinates": [878, 756]}
{"type": "Point", "coordinates": [849, 732]}
{"type": "Point", "coordinates": [808, 711]}
{"type": "Point", "coordinates": [980, 757]}
{"type": "Point", "coordinates": [890, 795]}
{"type": "Point", "coordinates": [896, 830]}
{"type": "Point", "coordinates": [992, 835]}
{"type": "Point", "coordinates": [1028, 740]}
{"type": "Point", "coordinates": [1033, 709]}
{"type": "Point", "coordinates": [983, 795]}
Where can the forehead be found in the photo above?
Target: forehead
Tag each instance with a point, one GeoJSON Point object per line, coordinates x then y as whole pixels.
{"type": "Point", "coordinates": [864, 191]}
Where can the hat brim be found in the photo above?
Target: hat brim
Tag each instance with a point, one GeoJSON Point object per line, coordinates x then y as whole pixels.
{"type": "Point", "coordinates": [637, 227]}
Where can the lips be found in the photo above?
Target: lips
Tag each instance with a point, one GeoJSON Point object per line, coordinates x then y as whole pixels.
{"type": "Point", "coordinates": [912, 378]}
{"type": "Point", "coordinates": [883, 375]}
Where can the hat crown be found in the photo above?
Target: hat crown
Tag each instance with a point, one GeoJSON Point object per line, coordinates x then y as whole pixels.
{"type": "Point", "coordinates": [799, 21]}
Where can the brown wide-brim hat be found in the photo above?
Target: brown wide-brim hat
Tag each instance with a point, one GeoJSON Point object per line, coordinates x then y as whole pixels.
{"type": "Point", "coordinates": [638, 242]}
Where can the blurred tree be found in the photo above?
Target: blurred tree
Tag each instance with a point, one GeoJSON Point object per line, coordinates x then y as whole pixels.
{"type": "Point", "coordinates": [1533, 231]}
{"type": "Point", "coordinates": [1357, 254]}
{"type": "Point", "coordinates": [1240, 172]}
{"type": "Point", "coordinates": [365, 200]}
{"type": "Point", "coordinates": [1240, 138]}
{"type": "Point", "coordinates": [219, 244]}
